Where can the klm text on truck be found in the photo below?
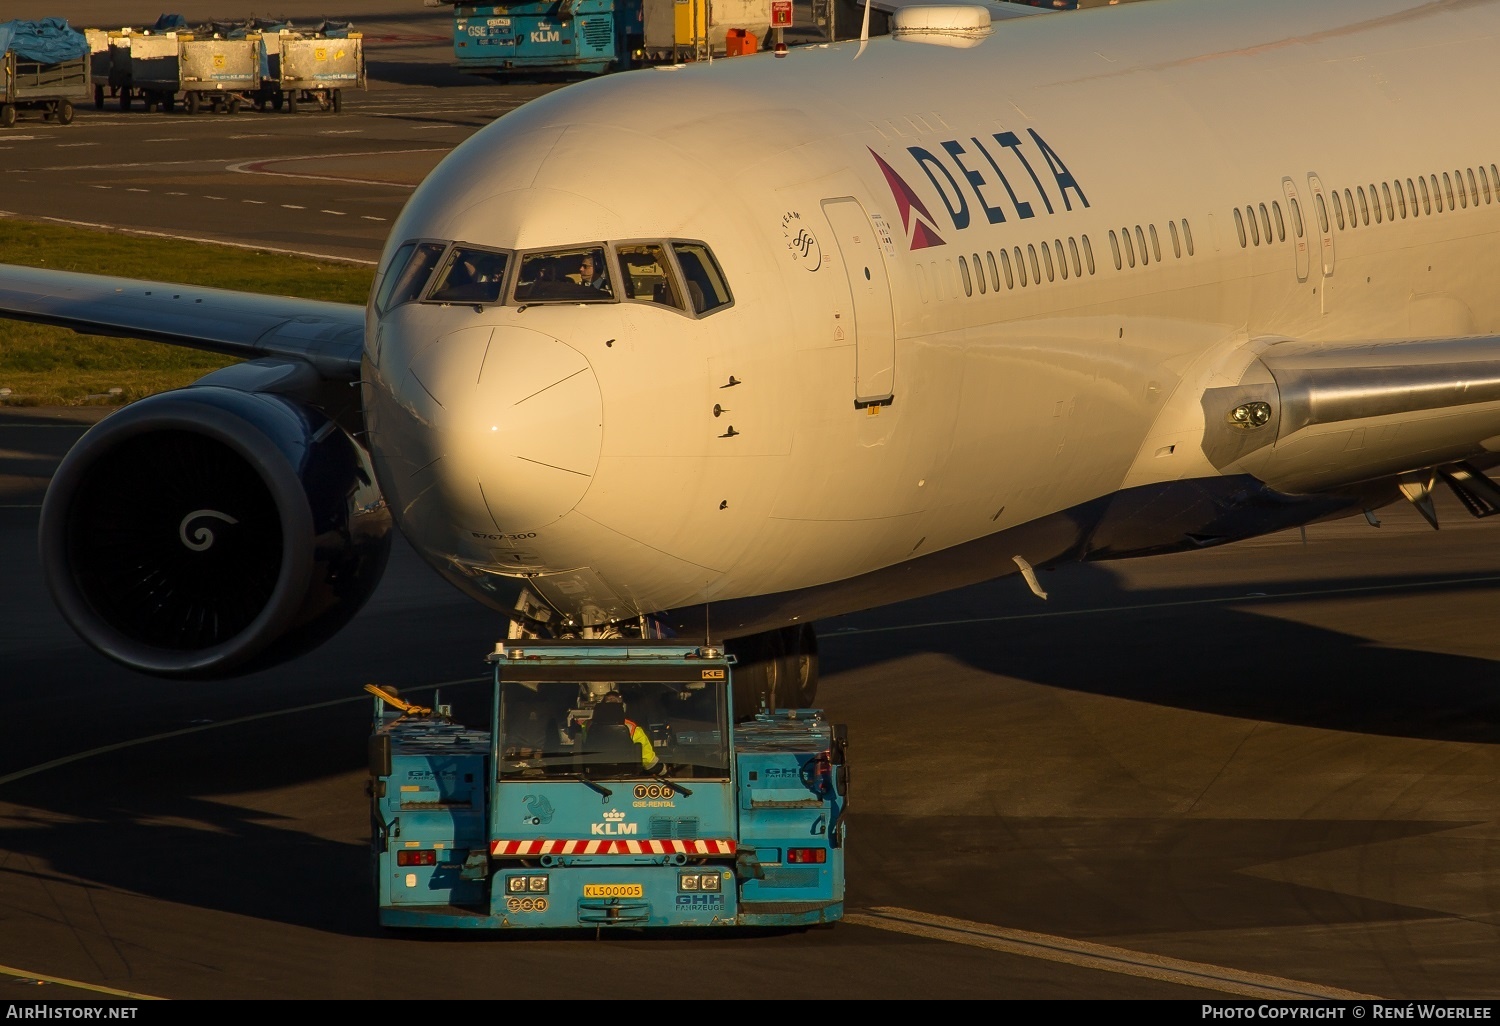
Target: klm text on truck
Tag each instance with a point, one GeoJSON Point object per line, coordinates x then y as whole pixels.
{"type": "Point", "coordinates": [612, 789]}
{"type": "Point", "coordinates": [584, 37]}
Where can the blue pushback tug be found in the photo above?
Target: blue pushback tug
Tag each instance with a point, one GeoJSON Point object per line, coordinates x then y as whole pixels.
{"type": "Point", "coordinates": [612, 790]}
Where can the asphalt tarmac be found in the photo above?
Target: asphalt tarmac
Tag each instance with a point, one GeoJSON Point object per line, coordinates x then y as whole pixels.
{"type": "Point", "coordinates": [1270, 770]}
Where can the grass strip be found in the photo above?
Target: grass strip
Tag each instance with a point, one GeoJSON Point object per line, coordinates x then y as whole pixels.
{"type": "Point", "coordinates": [46, 366]}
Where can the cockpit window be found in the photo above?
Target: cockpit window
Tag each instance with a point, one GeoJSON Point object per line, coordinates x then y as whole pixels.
{"type": "Point", "coordinates": [470, 276]}
{"type": "Point", "coordinates": [577, 275]}
{"type": "Point", "coordinates": [407, 275]}
{"type": "Point", "coordinates": [705, 283]}
{"type": "Point", "coordinates": [646, 274]}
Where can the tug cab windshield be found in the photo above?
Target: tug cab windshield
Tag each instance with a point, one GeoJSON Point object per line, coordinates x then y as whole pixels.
{"type": "Point", "coordinates": [613, 730]}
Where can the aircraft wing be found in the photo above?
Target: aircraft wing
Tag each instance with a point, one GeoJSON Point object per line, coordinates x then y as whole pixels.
{"type": "Point", "coordinates": [1319, 416]}
{"type": "Point", "coordinates": [329, 336]}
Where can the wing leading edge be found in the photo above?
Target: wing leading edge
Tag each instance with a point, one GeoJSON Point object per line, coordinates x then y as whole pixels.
{"type": "Point", "coordinates": [328, 336]}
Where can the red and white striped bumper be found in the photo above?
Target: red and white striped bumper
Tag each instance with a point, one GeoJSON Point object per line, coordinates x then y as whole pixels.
{"type": "Point", "coordinates": [542, 846]}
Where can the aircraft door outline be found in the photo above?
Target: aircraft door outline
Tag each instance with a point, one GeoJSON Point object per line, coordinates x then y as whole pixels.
{"type": "Point", "coordinates": [1325, 225]}
{"type": "Point", "coordinates": [1299, 226]}
{"type": "Point", "coordinates": [870, 289]}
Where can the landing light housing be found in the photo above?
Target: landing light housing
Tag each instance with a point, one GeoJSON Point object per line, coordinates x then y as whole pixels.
{"type": "Point", "coordinates": [1251, 415]}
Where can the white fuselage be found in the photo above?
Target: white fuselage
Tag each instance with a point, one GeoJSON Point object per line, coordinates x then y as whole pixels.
{"type": "Point", "coordinates": [865, 403]}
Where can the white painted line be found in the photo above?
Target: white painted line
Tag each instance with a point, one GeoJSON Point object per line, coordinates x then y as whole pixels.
{"type": "Point", "coordinates": [258, 203]}
{"type": "Point", "coordinates": [258, 166]}
{"type": "Point", "coordinates": [145, 234]}
{"type": "Point", "coordinates": [137, 190]}
{"type": "Point", "coordinates": [108, 187]}
{"type": "Point", "coordinates": [199, 728]}
{"type": "Point", "coordinates": [73, 146]}
{"type": "Point", "coordinates": [292, 206]}
{"type": "Point", "coordinates": [367, 217]}
{"type": "Point", "coordinates": [342, 131]}
{"type": "Point", "coordinates": [170, 138]}
{"type": "Point", "coordinates": [1097, 956]}
{"type": "Point", "coordinates": [335, 213]}
{"type": "Point", "coordinates": [169, 194]}
{"type": "Point", "coordinates": [24, 975]}
{"type": "Point", "coordinates": [213, 197]}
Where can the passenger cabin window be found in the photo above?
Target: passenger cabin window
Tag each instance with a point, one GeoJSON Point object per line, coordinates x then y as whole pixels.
{"type": "Point", "coordinates": [407, 274]}
{"type": "Point", "coordinates": [470, 275]}
{"type": "Point", "coordinates": [576, 275]}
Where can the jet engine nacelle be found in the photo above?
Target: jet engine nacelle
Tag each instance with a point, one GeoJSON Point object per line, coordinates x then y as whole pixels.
{"type": "Point", "coordinates": [210, 532]}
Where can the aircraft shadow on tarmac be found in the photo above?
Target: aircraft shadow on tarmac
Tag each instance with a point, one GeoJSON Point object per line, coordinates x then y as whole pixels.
{"type": "Point", "coordinates": [177, 820]}
{"type": "Point", "coordinates": [1211, 650]}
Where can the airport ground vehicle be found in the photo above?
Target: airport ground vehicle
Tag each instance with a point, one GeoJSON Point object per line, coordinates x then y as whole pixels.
{"type": "Point", "coordinates": [552, 818]}
{"type": "Point", "coordinates": [312, 68]}
{"type": "Point", "coordinates": [224, 67]}
{"type": "Point", "coordinates": [591, 37]}
{"type": "Point", "coordinates": [218, 72]}
{"type": "Point", "coordinates": [43, 66]}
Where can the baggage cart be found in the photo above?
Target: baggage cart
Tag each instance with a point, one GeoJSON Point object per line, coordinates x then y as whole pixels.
{"type": "Point", "coordinates": [219, 74]}
{"type": "Point", "coordinates": [100, 62]}
{"type": "Point", "coordinates": [318, 68]}
{"type": "Point", "coordinates": [44, 65]}
{"type": "Point", "coordinates": [50, 88]}
{"type": "Point", "coordinates": [154, 73]}
{"type": "Point", "coordinates": [109, 69]}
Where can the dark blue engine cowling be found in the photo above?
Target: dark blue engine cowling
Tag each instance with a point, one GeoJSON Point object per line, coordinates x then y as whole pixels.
{"type": "Point", "coordinates": [210, 532]}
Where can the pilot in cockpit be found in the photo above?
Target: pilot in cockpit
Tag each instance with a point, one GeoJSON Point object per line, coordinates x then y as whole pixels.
{"type": "Point", "coordinates": [591, 272]}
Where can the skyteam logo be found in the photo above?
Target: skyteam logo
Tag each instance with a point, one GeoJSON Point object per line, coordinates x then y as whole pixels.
{"type": "Point", "coordinates": [998, 176]}
{"type": "Point", "coordinates": [921, 234]}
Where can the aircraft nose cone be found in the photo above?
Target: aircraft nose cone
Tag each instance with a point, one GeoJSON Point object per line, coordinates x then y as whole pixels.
{"type": "Point", "coordinates": [522, 425]}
